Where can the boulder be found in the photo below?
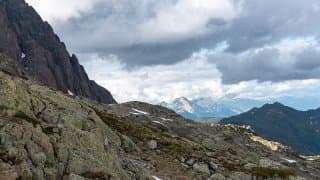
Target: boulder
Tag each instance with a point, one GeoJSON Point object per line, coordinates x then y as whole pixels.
{"type": "Point", "coordinates": [75, 177]}
{"type": "Point", "coordinates": [201, 168]}
{"type": "Point", "coordinates": [249, 166]}
{"type": "Point", "coordinates": [267, 163]}
{"type": "Point", "coordinates": [213, 166]}
{"type": "Point", "coordinates": [128, 145]}
{"type": "Point", "coordinates": [152, 145]}
{"type": "Point", "coordinates": [217, 176]}
{"type": "Point", "coordinates": [191, 161]}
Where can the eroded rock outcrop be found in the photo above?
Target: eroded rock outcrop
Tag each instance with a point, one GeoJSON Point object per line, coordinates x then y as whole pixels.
{"type": "Point", "coordinates": [32, 43]}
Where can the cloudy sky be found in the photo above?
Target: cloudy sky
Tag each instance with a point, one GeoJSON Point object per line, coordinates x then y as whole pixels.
{"type": "Point", "coordinates": [155, 51]}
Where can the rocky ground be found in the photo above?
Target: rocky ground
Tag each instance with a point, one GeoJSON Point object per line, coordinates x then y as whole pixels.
{"type": "Point", "coordinates": [45, 134]}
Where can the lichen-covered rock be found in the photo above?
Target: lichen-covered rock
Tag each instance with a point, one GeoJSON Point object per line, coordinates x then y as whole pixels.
{"type": "Point", "coordinates": [201, 168]}
{"type": "Point", "coordinates": [74, 177]}
{"type": "Point", "coordinates": [213, 166]}
{"type": "Point", "coordinates": [128, 145]}
{"type": "Point", "coordinates": [267, 163]}
{"type": "Point", "coordinates": [152, 144]}
{"type": "Point", "coordinates": [8, 172]}
{"type": "Point", "coordinates": [217, 176]}
{"type": "Point", "coordinates": [240, 176]}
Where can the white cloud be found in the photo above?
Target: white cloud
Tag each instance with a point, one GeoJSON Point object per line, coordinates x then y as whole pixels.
{"type": "Point", "coordinates": [61, 10]}
{"type": "Point", "coordinates": [193, 78]}
{"type": "Point", "coordinates": [187, 18]}
{"type": "Point", "coordinates": [127, 22]}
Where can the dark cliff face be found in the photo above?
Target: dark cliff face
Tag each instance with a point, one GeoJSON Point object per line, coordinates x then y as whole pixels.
{"type": "Point", "coordinates": [33, 44]}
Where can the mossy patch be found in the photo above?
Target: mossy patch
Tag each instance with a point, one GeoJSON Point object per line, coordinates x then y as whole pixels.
{"type": "Point", "coordinates": [141, 134]}
{"type": "Point", "coordinates": [269, 172]}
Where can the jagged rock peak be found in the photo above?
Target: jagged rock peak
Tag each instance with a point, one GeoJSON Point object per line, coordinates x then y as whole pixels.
{"type": "Point", "coordinates": [26, 38]}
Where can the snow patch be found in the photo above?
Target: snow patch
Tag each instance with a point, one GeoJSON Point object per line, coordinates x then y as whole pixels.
{"type": "Point", "coordinates": [135, 113]}
{"type": "Point", "coordinates": [70, 93]}
{"type": "Point", "coordinates": [165, 119]}
{"type": "Point", "coordinates": [289, 161]}
{"type": "Point", "coordinates": [139, 111]}
{"type": "Point", "coordinates": [157, 122]}
{"type": "Point", "coordinates": [156, 178]}
{"type": "Point", "coordinates": [23, 55]}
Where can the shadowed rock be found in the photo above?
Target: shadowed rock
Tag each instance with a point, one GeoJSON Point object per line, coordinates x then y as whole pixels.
{"type": "Point", "coordinates": [32, 43]}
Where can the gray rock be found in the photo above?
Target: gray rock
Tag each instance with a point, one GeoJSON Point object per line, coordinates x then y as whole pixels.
{"type": "Point", "coordinates": [136, 169]}
{"type": "Point", "coordinates": [217, 176]}
{"type": "Point", "coordinates": [267, 163]}
{"type": "Point", "coordinates": [39, 159]}
{"type": "Point", "coordinates": [128, 145]}
{"type": "Point", "coordinates": [12, 152]}
{"type": "Point", "coordinates": [186, 166]}
{"type": "Point", "coordinates": [75, 177]}
{"type": "Point", "coordinates": [50, 173]}
{"type": "Point", "coordinates": [4, 140]}
{"type": "Point", "coordinates": [190, 162]}
{"type": "Point", "coordinates": [37, 174]}
{"type": "Point", "coordinates": [106, 143]}
{"type": "Point", "coordinates": [240, 176]}
{"type": "Point", "coordinates": [201, 168]}
{"type": "Point", "coordinates": [211, 154]}
{"type": "Point", "coordinates": [213, 166]}
{"type": "Point", "coordinates": [152, 144]}
{"type": "Point", "coordinates": [60, 126]}
{"type": "Point", "coordinates": [249, 166]}
{"type": "Point", "coordinates": [296, 178]}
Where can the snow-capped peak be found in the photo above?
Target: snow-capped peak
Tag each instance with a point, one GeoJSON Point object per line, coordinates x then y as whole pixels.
{"type": "Point", "coordinates": [209, 107]}
{"type": "Point", "coordinates": [184, 105]}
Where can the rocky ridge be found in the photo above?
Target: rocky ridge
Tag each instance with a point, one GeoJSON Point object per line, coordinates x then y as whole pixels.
{"type": "Point", "coordinates": [32, 44]}
{"type": "Point", "coordinates": [45, 134]}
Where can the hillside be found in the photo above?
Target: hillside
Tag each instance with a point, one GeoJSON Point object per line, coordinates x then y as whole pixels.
{"type": "Point", "coordinates": [45, 134]}
{"type": "Point", "coordinates": [298, 129]}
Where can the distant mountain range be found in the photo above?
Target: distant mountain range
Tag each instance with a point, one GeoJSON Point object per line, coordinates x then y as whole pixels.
{"type": "Point", "coordinates": [208, 108]}
{"type": "Point", "coordinates": [298, 129]}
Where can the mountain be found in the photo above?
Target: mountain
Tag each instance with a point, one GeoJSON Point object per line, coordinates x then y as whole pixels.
{"type": "Point", "coordinates": [298, 129]}
{"type": "Point", "coordinates": [46, 134]}
{"type": "Point", "coordinates": [32, 43]}
{"type": "Point", "coordinates": [210, 108]}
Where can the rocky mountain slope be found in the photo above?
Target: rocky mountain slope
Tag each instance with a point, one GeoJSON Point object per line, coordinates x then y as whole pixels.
{"type": "Point", "coordinates": [298, 129]}
{"type": "Point", "coordinates": [45, 134]}
{"type": "Point", "coordinates": [33, 44]}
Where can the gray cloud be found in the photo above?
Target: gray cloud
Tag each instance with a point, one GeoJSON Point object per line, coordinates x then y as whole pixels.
{"type": "Point", "coordinates": [137, 32]}
{"type": "Point", "coordinates": [287, 60]}
{"type": "Point", "coordinates": [308, 60]}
